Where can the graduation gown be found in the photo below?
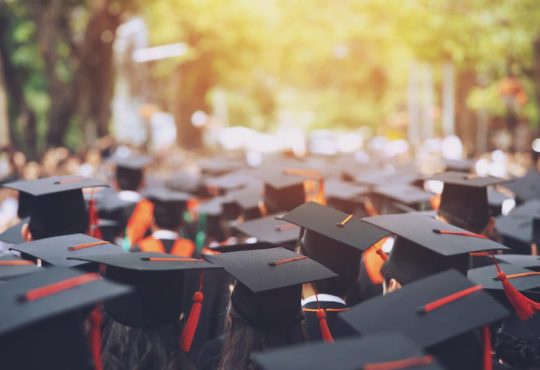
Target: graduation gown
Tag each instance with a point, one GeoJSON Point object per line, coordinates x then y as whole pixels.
{"type": "Point", "coordinates": [338, 327]}
{"type": "Point", "coordinates": [179, 246]}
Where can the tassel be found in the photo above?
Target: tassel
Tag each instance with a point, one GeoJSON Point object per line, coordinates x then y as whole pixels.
{"type": "Point", "coordinates": [524, 307]}
{"type": "Point", "coordinates": [192, 322]}
{"type": "Point", "coordinates": [325, 330]}
{"type": "Point", "coordinates": [93, 220]}
{"type": "Point", "coordinates": [488, 361]}
{"type": "Point", "coordinates": [96, 321]}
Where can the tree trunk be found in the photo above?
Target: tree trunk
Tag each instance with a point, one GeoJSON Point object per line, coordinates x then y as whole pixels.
{"type": "Point", "coordinates": [4, 123]}
{"type": "Point", "coordinates": [465, 118]}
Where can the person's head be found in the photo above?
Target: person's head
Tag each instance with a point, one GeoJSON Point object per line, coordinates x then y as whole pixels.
{"type": "Point", "coordinates": [129, 172]}
{"type": "Point", "coordinates": [169, 207]}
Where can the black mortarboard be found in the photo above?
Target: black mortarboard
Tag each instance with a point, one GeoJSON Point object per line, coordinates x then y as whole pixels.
{"type": "Point", "coordinates": [283, 192]}
{"type": "Point", "coordinates": [43, 313]}
{"type": "Point", "coordinates": [247, 202]}
{"type": "Point", "coordinates": [425, 246]}
{"type": "Point", "coordinates": [530, 208]}
{"type": "Point", "coordinates": [169, 207]}
{"type": "Point", "coordinates": [157, 279]}
{"type": "Point", "coordinates": [57, 205]}
{"type": "Point", "coordinates": [269, 284]}
{"type": "Point", "coordinates": [58, 250]}
{"type": "Point", "coordinates": [521, 260]}
{"type": "Point", "coordinates": [516, 231]}
{"type": "Point", "coordinates": [431, 312]}
{"type": "Point", "coordinates": [240, 247]}
{"type": "Point", "coordinates": [404, 193]}
{"type": "Point", "coordinates": [129, 170]}
{"type": "Point", "coordinates": [336, 240]}
{"type": "Point", "coordinates": [522, 279]}
{"type": "Point", "coordinates": [136, 162]}
{"type": "Point", "coordinates": [219, 165]}
{"type": "Point", "coordinates": [186, 182]}
{"type": "Point", "coordinates": [13, 266]}
{"type": "Point", "coordinates": [344, 195]}
{"type": "Point", "coordinates": [232, 181]}
{"type": "Point", "coordinates": [13, 234]}
{"type": "Point", "coordinates": [459, 165]}
{"type": "Point", "coordinates": [496, 200]}
{"type": "Point", "coordinates": [272, 230]}
{"type": "Point", "coordinates": [349, 354]}
{"type": "Point", "coordinates": [464, 200]}
{"type": "Point", "coordinates": [527, 187]}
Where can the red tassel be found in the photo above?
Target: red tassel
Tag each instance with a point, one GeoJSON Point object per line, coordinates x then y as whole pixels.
{"type": "Point", "coordinates": [325, 330]}
{"type": "Point", "coordinates": [488, 361]}
{"type": "Point", "coordinates": [93, 220]}
{"type": "Point", "coordinates": [193, 320]}
{"type": "Point", "coordinates": [96, 321]}
{"type": "Point", "coordinates": [524, 307]}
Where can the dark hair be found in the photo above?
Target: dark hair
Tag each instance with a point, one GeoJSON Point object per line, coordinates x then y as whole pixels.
{"type": "Point", "coordinates": [129, 179]}
{"type": "Point", "coordinates": [244, 339]}
{"type": "Point", "coordinates": [517, 352]}
{"type": "Point", "coordinates": [168, 215]}
{"type": "Point", "coordinates": [151, 348]}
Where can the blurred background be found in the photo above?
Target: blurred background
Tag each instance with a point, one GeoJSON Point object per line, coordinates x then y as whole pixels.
{"type": "Point", "coordinates": [318, 75]}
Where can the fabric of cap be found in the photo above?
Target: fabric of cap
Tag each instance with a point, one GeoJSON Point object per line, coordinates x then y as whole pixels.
{"type": "Point", "coordinates": [459, 178]}
{"type": "Point", "coordinates": [324, 220]}
{"type": "Point", "coordinates": [403, 193]}
{"type": "Point", "coordinates": [344, 354]}
{"type": "Point", "coordinates": [400, 310]}
{"type": "Point", "coordinates": [527, 187]}
{"type": "Point", "coordinates": [59, 250]}
{"type": "Point", "coordinates": [13, 234]}
{"type": "Point", "coordinates": [269, 229]}
{"type": "Point", "coordinates": [243, 247]}
{"type": "Point", "coordinates": [56, 184]}
{"type": "Point", "coordinates": [131, 162]}
{"type": "Point", "coordinates": [487, 277]}
{"type": "Point", "coordinates": [8, 271]}
{"type": "Point", "coordinates": [521, 260]}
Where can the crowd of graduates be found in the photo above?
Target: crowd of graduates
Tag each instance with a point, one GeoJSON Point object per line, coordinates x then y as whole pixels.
{"type": "Point", "coordinates": [124, 260]}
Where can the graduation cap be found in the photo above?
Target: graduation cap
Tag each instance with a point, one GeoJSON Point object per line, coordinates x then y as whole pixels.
{"type": "Point", "coordinates": [521, 260]}
{"type": "Point", "coordinates": [425, 246]}
{"type": "Point", "coordinates": [464, 200]}
{"type": "Point", "coordinates": [43, 313]}
{"type": "Point", "coordinates": [405, 194]}
{"type": "Point", "coordinates": [524, 280]}
{"type": "Point", "coordinates": [186, 182]}
{"type": "Point", "coordinates": [232, 181]}
{"type": "Point", "coordinates": [13, 234]}
{"type": "Point", "coordinates": [459, 165]}
{"type": "Point", "coordinates": [169, 207]}
{"type": "Point", "coordinates": [345, 196]}
{"type": "Point", "coordinates": [496, 200]}
{"type": "Point", "coordinates": [246, 202]}
{"type": "Point", "coordinates": [129, 170]}
{"type": "Point", "coordinates": [527, 187]}
{"type": "Point", "coordinates": [269, 284]}
{"type": "Point", "coordinates": [157, 280]}
{"type": "Point", "coordinates": [283, 192]}
{"type": "Point", "coordinates": [58, 250]}
{"type": "Point", "coordinates": [57, 204]}
{"type": "Point", "coordinates": [270, 229]}
{"type": "Point", "coordinates": [516, 231]}
{"type": "Point", "coordinates": [436, 313]}
{"type": "Point", "coordinates": [240, 247]}
{"type": "Point", "coordinates": [219, 165]}
{"type": "Point", "coordinates": [372, 352]}
{"type": "Point", "coordinates": [12, 266]}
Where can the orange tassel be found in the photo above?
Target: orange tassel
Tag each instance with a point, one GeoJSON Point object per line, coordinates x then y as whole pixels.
{"type": "Point", "coordinates": [488, 362]}
{"type": "Point", "coordinates": [96, 320]}
{"type": "Point", "coordinates": [93, 220]}
{"type": "Point", "coordinates": [325, 330]}
{"type": "Point", "coordinates": [524, 307]}
{"type": "Point", "coordinates": [193, 320]}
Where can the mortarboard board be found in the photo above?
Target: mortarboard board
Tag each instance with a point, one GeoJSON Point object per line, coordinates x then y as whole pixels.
{"type": "Point", "coordinates": [219, 165]}
{"type": "Point", "coordinates": [345, 196]}
{"type": "Point", "coordinates": [129, 170]}
{"type": "Point", "coordinates": [269, 284]}
{"type": "Point", "coordinates": [186, 182]}
{"type": "Point", "coordinates": [270, 229]}
{"type": "Point", "coordinates": [168, 207]}
{"type": "Point", "coordinates": [431, 311]}
{"type": "Point", "coordinates": [464, 200]}
{"type": "Point", "coordinates": [496, 200]}
{"type": "Point", "coordinates": [136, 162]}
{"type": "Point", "coordinates": [425, 246]}
{"type": "Point", "coordinates": [243, 247]}
{"type": "Point", "coordinates": [530, 208]}
{"type": "Point", "coordinates": [527, 187]}
{"type": "Point", "coordinates": [246, 202]}
{"type": "Point", "coordinates": [158, 281]}
{"type": "Point", "coordinates": [12, 266]}
{"type": "Point", "coordinates": [283, 192]}
{"type": "Point", "coordinates": [57, 205]}
{"type": "Point", "coordinates": [57, 250]}
{"type": "Point", "coordinates": [350, 354]}
{"type": "Point", "coordinates": [516, 231]}
{"type": "Point", "coordinates": [521, 260]}
{"type": "Point", "coordinates": [13, 234]}
{"type": "Point", "coordinates": [43, 317]}
{"type": "Point", "coordinates": [459, 165]}
{"type": "Point", "coordinates": [404, 194]}
{"type": "Point", "coordinates": [232, 181]}
{"type": "Point", "coordinates": [526, 281]}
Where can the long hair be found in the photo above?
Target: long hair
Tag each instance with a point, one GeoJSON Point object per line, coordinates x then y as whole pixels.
{"type": "Point", "coordinates": [243, 339]}
{"type": "Point", "coordinates": [127, 348]}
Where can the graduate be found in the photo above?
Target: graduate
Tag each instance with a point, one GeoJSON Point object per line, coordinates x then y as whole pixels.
{"type": "Point", "coordinates": [144, 330]}
{"type": "Point", "coordinates": [167, 221]}
{"type": "Point", "coordinates": [336, 240]}
{"type": "Point", "coordinates": [55, 206]}
{"type": "Point", "coordinates": [265, 310]}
